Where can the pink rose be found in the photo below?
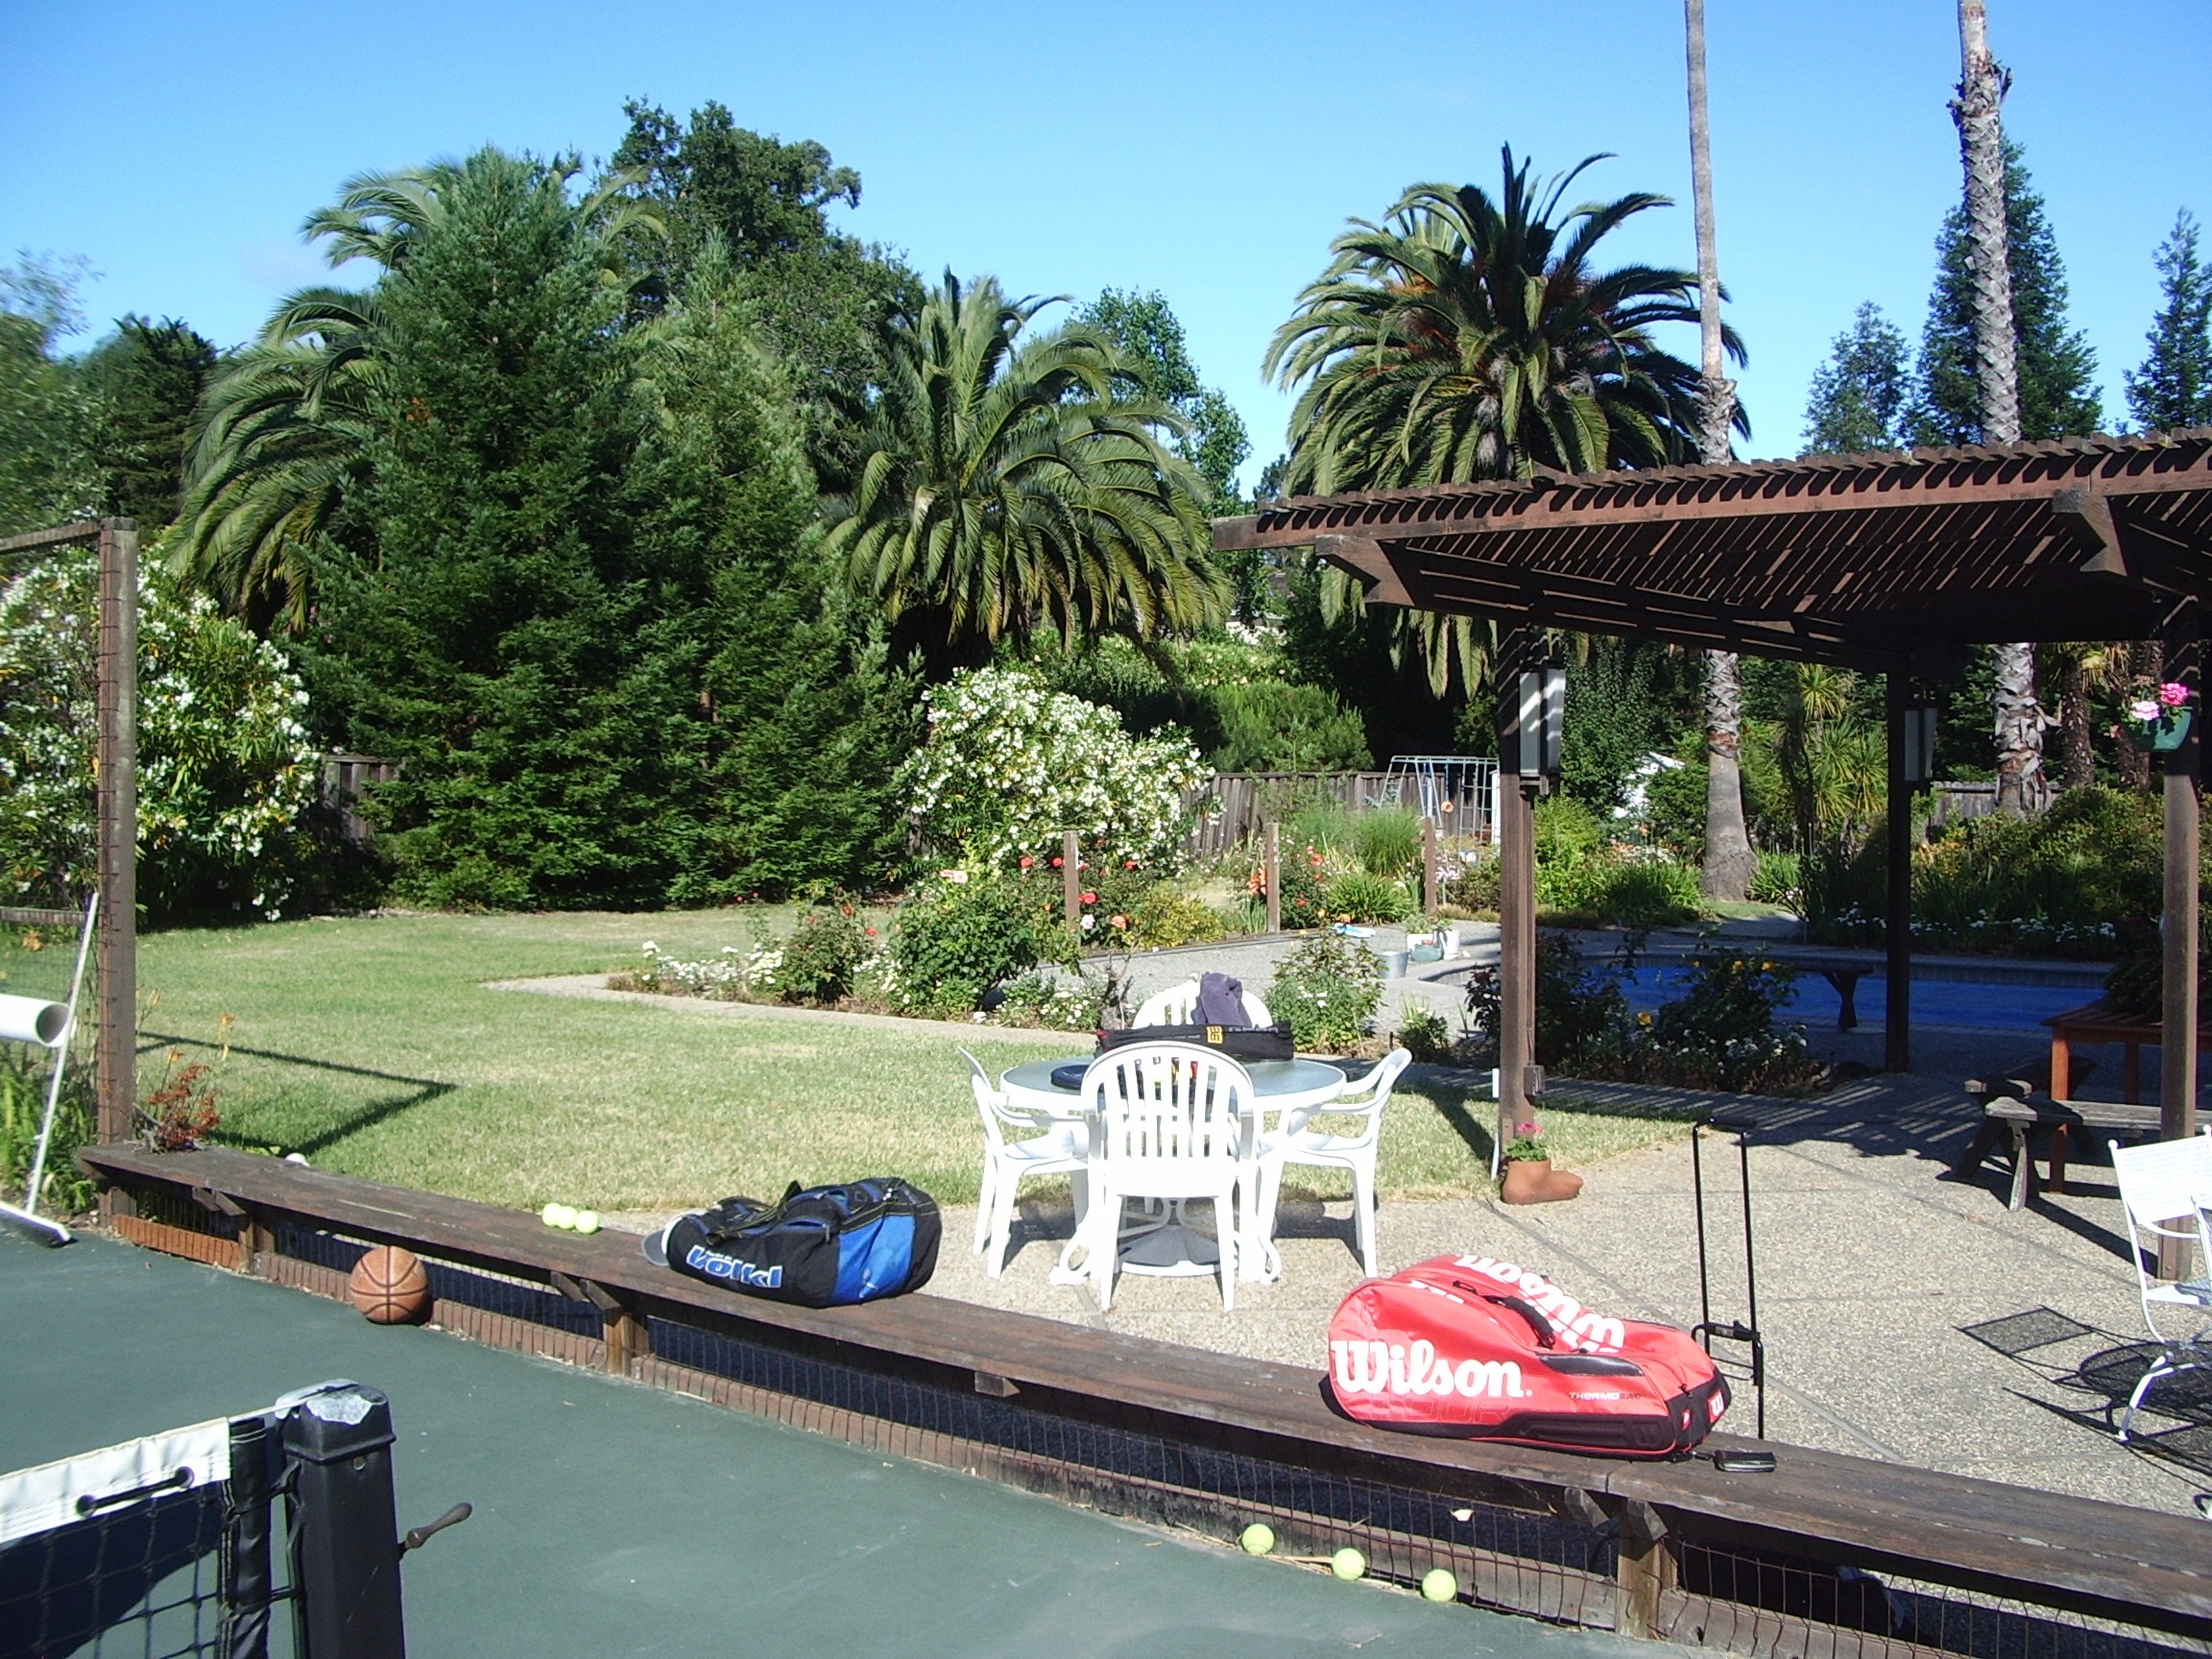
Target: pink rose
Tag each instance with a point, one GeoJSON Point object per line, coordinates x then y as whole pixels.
{"type": "Point", "coordinates": [2173, 694]}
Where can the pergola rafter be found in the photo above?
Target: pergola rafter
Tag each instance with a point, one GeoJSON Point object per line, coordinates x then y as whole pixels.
{"type": "Point", "coordinates": [1893, 562]}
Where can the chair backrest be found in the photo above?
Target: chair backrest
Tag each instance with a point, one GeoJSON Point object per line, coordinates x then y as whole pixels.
{"type": "Point", "coordinates": [2163, 1181]}
{"type": "Point", "coordinates": [1364, 1098]}
{"type": "Point", "coordinates": [1178, 1005]}
{"type": "Point", "coordinates": [2160, 1184]}
{"type": "Point", "coordinates": [990, 1104]}
{"type": "Point", "coordinates": [1166, 1103]}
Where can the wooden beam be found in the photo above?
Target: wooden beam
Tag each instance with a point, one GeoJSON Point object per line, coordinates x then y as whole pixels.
{"type": "Point", "coordinates": [31, 539]}
{"type": "Point", "coordinates": [1368, 561]}
{"type": "Point", "coordinates": [1614, 501]}
{"type": "Point", "coordinates": [2088, 516]}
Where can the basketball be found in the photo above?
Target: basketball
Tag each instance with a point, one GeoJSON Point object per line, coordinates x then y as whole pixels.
{"type": "Point", "coordinates": [390, 1286]}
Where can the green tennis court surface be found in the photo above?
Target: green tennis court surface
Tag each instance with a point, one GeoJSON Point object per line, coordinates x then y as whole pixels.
{"type": "Point", "coordinates": [614, 1519]}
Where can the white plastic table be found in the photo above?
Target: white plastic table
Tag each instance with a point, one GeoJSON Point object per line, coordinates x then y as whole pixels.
{"type": "Point", "coordinates": [1171, 1248]}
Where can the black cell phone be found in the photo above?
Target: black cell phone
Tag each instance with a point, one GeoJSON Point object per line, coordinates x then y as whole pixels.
{"type": "Point", "coordinates": [1744, 1462]}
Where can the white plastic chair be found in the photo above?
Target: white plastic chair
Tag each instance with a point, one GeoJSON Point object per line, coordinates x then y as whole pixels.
{"type": "Point", "coordinates": [1178, 1005]}
{"type": "Point", "coordinates": [1168, 1121]}
{"type": "Point", "coordinates": [2161, 1184]}
{"type": "Point", "coordinates": [1061, 1150]}
{"type": "Point", "coordinates": [1356, 1117]}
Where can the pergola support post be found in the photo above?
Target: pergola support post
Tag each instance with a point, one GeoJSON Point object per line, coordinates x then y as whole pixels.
{"type": "Point", "coordinates": [2181, 924]}
{"type": "Point", "coordinates": [115, 1056]}
{"type": "Point", "coordinates": [1897, 906]}
{"type": "Point", "coordinates": [1516, 895]}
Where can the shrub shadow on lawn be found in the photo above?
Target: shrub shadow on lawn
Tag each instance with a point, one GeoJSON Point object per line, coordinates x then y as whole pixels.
{"type": "Point", "coordinates": [349, 1121]}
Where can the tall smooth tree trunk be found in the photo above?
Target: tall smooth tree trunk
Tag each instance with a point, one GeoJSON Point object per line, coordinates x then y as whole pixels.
{"type": "Point", "coordinates": [2077, 769]}
{"type": "Point", "coordinates": [1729, 861]}
{"type": "Point", "coordinates": [1982, 85]}
{"type": "Point", "coordinates": [2145, 657]}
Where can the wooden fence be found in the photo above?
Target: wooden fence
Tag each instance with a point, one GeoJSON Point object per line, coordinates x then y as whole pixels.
{"type": "Point", "coordinates": [1233, 808]}
{"type": "Point", "coordinates": [339, 792]}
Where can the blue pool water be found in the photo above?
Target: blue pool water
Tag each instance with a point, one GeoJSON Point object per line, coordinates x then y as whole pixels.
{"type": "Point", "coordinates": [1976, 1004]}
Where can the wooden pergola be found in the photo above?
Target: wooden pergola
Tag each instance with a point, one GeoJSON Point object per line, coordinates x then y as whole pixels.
{"type": "Point", "coordinates": [1893, 563]}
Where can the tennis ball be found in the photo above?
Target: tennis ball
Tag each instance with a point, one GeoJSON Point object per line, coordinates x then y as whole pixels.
{"type": "Point", "coordinates": [558, 1215]}
{"type": "Point", "coordinates": [1348, 1564]}
{"type": "Point", "coordinates": [1438, 1585]}
{"type": "Point", "coordinates": [587, 1221]}
{"type": "Point", "coordinates": [1257, 1539]}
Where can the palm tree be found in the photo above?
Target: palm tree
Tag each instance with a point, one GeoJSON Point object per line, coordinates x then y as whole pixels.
{"type": "Point", "coordinates": [281, 436]}
{"type": "Point", "coordinates": [1730, 864]}
{"type": "Point", "coordinates": [1470, 337]}
{"type": "Point", "coordinates": [1010, 484]}
{"type": "Point", "coordinates": [280, 439]}
{"type": "Point", "coordinates": [1982, 83]}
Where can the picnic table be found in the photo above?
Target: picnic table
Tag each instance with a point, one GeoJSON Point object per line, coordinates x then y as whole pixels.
{"type": "Point", "coordinates": [2099, 1021]}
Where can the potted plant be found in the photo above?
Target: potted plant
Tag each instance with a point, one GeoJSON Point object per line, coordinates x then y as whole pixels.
{"type": "Point", "coordinates": [1529, 1178]}
{"type": "Point", "coordinates": [2158, 717]}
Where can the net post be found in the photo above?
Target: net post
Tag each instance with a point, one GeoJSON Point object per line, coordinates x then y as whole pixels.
{"type": "Point", "coordinates": [346, 1525]}
{"type": "Point", "coordinates": [115, 1063]}
{"type": "Point", "coordinates": [1274, 856]}
{"type": "Point", "coordinates": [1072, 880]}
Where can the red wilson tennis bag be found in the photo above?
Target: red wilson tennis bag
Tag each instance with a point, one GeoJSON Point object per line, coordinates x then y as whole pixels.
{"type": "Point", "coordinates": [1470, 1345]}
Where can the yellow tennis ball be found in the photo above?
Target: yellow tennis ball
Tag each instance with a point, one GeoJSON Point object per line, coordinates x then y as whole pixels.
{"type": "Point", "coordinates": [1257, 1539]}
{"type": "Point", "coordinates": [558, 1215]}
{"type": "Point", "coordinates": [1348, 1564]}
{"type": "Point", "coordinates": [587, 1221]}
{"type": "Point", "coordinates": [1438, 1585]}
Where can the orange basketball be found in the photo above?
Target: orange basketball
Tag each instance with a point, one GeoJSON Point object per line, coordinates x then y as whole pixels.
{"type": "Point", "coordinates": [390, 1286]}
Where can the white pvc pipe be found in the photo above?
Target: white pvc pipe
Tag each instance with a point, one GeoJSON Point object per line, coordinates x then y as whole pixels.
{"type": "Point", "coordinates": [35, 1019]}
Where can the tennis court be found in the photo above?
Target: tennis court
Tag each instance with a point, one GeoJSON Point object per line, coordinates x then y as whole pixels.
{"type": "Point", "coordinates": [615, 1519]}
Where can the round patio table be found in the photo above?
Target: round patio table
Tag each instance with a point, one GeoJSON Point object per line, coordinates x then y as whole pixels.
{"type": "Point", "coordinates": [1170, 1247]}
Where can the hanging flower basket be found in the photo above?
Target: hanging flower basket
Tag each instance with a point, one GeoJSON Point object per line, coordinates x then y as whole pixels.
{"type": "Point", "coordinates": [2158, 721]}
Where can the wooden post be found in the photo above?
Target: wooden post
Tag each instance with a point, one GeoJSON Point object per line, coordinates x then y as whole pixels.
{"type": "Point", "coordinates": [1646, 1572]}
{"type": "Point", "coordinates": [115, 1057]}
{"type": "Point", "coordinates": [2181, 924]}
{"type": "Point", "coordinates": [1274, 874]}
{"type": "Point", "coordinates": [1071, 882]}
{"type": "Point", "coordinates": [1897, 911]}
{"type": "Point", "coordinates": [1516, 897]}
{"type": "Point", "coordinates": [1431, 898]}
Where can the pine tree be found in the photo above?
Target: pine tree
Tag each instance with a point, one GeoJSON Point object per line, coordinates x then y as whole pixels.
{"type": "Point", "coordinates": [1860, 395]}
{"type": "Point", "coordinates": [148, 377]}
{"type": "Point", "coordinates": [2056, 396]}
{"type": "Point", "coordinates": [511, 643]}
{"type": "Point", "coordinates": [2173, 387]}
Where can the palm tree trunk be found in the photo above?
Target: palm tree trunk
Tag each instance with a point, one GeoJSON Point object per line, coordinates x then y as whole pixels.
{"type": "Point", "coordinates": [2079, 769]}
{"type": "Point", "coordinates": [1729, 861]}
{"type": "Point", "coordinates": [2019, 718]}
{"type": "Point", "coordinates": [2145, 657]}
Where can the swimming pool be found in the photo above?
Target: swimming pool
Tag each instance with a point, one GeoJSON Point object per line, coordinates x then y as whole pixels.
{"type": "Point", "coordinates": [1976, 1004]}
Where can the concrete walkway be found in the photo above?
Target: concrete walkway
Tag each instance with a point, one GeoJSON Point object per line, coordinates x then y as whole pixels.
{"type": "Point", "coordinates": [1907, 1316]}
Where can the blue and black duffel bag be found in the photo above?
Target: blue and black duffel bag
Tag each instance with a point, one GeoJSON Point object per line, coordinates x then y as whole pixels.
{"type": "Point", "coordinates": [821, 1247]}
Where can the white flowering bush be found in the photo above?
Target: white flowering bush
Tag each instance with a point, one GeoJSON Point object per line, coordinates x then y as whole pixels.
{"type": "Point", "coordinates": [225, 767]}
{"type": "Point", "coordinates": [1010, 764]}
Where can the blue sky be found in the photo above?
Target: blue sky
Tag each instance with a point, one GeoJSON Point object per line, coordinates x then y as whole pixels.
{"type": "Point", "coordinates": [1206, 151]}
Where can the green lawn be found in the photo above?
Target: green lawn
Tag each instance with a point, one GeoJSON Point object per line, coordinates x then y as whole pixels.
{"type": "Point", "coordinates": [370, 1044]}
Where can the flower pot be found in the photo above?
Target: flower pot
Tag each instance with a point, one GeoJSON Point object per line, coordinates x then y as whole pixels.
{"type": "Point", "coordinates": [2163, 736]}
{"type": "Point", "coordinates": [1533, 1181]}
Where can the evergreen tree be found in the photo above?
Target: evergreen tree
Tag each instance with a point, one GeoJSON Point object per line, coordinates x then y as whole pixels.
{"type": "Point", "coordinates": [511, 643]}
{"type": "Point", "coordinates": [2057, 397]}
{"type": "Point", "coordinates": [47, 419]}
{"type": "Point", "coordinates": [1860, 395]}
{"type": "Point", "coordinates": [2173, 387]}
{"type": "Point", "coordinates": [148, 377]}
{"type": "Point", "coordinates": [808, 720]}
{"type": "Point", "coordinates": [821, 298]}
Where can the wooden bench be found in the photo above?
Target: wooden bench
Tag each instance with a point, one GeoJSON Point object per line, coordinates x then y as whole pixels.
{"type": "Point", "coordinates": [2014, 1108]}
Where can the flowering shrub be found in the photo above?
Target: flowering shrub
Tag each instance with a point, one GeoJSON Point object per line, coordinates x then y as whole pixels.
{"type": "Point", "coordinates": [1303, 873]}
{"type": "Point", "coordinates": [224, 769]}
{"type": "Point", "coordinates": [960, 934]}
{"type": "Point", "coordinates": [1054, 1002]}
{"type": "Point", "coordinates": [1010, 764]}
{"type": "Point", "coordinates": [1328, 989]}
{"type": "Point", "coordinates": [731, 976]}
